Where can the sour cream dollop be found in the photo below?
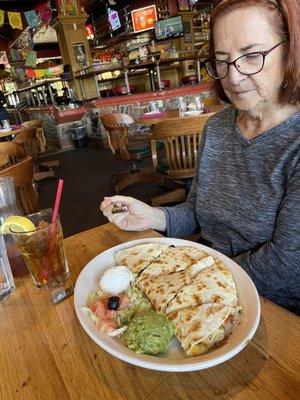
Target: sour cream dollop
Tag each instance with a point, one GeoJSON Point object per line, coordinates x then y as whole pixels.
{"type": "Point", "coordinates": [116, 280]}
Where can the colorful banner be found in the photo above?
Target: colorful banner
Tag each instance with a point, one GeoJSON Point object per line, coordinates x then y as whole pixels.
{"type": "Point", "coordinates": [144, 18]}
{"type": "Point", "coordinates": [31, 18]}
{"type": "Point", "coordinates": [30, 58]}
{"type": "Point", "coordinates": [44, 12]}
{"type": "Point", "coordinates": [15, 20]}
{"type": "Point", "coordinates": [1, 18]}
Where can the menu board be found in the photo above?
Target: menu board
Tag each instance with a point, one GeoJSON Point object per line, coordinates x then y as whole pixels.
{"type": "Point", "coordinates": [144, 18]}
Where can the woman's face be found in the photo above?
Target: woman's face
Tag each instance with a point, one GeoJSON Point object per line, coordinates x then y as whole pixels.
{"type": "Point", "coordinates": [244, 31]}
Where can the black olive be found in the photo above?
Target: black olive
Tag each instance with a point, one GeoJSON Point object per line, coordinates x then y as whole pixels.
{"type": "Point", "coordinates": [113, 303]}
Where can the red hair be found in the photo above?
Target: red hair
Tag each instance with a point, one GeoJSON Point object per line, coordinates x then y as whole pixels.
{"type": "Point", "coordinates": [284, 16]}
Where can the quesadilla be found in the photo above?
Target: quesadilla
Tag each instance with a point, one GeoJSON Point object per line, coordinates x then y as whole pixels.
{"type": "Point", "coordinates": [201, 328]}
{"type": "Point", "coordinates": [138, 257]}
{"type": "Point", "coordinates": [213, 285]}
{"type": "Point", "coordinates": [160, 290]}
{"type": "Point", "coordinates": [173, 259]}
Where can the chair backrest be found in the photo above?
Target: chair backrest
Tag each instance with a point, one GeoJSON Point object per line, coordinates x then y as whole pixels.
{"type": "Point", "coordinates": [116, 125]}
{"type": "Point", "coordinates": [28, 140]}
{"type": "Point", "coordinates": [4, 160]}
{"type": "Point", "coordinates": [23, 178]}
{"type": "Point", "coordinates": [38, 125]}
{"type": "Point", "coordinates": [13, 151]}
{"type": "Point", "coordinates": [181, 137]}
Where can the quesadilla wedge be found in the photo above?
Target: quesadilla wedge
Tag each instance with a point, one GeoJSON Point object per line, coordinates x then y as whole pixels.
{"type": "Point", "coordinates": [138, 257]}
{"type": "Point", "coordinates": [201, 328]}
{"type": "Point", "coordinates": [213, 285]}
{"type": "Point", "coordinates": [160, 290]}
{"type": "Point", "coordinates": [173, 259]}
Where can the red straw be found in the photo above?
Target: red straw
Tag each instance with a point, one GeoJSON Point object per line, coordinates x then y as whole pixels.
{"type": "Point", "coordinates": [45, 272]}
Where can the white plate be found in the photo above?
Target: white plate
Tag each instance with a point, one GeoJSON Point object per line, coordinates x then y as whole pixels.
{"type": "Point", "coordinates": [193, 112]}
{"type": "Point", "coordinates": [175, 359]}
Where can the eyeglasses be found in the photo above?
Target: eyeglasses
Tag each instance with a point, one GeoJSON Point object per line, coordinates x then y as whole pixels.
{"type": "Point", "coordinates": [248, 64]}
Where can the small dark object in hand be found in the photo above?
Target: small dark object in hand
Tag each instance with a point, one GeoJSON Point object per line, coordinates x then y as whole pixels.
{"type": "Point", "coordinates": [113, 303]}
{"type": "Point", "coordinates": [117, 210]}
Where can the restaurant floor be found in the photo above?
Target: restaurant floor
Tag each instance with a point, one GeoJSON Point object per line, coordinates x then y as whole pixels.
{"type": "Point", "coordinates": [87, 179]}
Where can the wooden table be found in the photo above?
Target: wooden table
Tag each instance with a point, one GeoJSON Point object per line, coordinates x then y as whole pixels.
{"type": "Point", "coordinates": [46, 354]}
{"type": "Point", "coordinates": [172, 114]}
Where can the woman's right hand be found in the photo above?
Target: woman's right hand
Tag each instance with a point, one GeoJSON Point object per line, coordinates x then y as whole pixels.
{"type": "Point", "coordinates": [138, 216]}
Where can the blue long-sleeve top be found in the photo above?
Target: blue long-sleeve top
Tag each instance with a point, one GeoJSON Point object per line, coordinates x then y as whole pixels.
{"type": "Point", "coordinates": [245, 200]}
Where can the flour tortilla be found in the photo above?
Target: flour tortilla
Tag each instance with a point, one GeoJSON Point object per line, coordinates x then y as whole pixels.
{"type": "Point", "coordinates": [213, 285]}
{"type": "Point", "coordinates": [162, 289]}
{"type": "Point", "coordinates": [200, 328]}
{"type": "Point", "coordinates": [173, 259]}
{"type": "Point", "coordinates": [138, 257]}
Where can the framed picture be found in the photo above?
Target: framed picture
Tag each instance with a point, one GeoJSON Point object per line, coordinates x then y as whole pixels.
{"type": "Point", "coordinates": [183, 5]}
{"type": "Point", "coordinates": [80, 54]}
{"type": "Point", "coordinates": [144, 18]}
{"type": "Point", "coordinates": [69, 7]}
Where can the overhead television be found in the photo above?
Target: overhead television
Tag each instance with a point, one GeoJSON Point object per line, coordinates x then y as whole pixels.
{"type": "Point", "coordinates": [169, 28]}
{"type": "Point", "coordinates": [144, 18]}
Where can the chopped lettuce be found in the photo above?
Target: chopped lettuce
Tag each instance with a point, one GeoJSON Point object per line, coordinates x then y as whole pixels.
{"type": "Point", "coordinates": [93, 296]}
{"type": "Point", "coordinates": [138, 302]}
{"type": "Point", "coordinates": [92, 316]}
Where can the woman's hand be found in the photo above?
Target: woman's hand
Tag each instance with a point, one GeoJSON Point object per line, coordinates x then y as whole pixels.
{"type": "Point", "coordinates": [137, 217]}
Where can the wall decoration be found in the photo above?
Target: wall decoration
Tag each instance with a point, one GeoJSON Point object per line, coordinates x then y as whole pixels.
{"type": "Point", "coordinates": [31, 18]}
{"type": "Point", "coordinates": [183, 5]}
{"type": "Point", "coordinates": [15, 20]}
{"type": "Point", "coordinates": [30, 58]}
{"type": "Point", "coordinates": [1, 18]}
{"type": "Point", "coordinates": [80, 54]}
{"type": "Point", "coordinates": [144, 18]}
{"type": "Point", "coordinates": [69, 7]}
{"type": "Point", "coordinates": [44, 11]}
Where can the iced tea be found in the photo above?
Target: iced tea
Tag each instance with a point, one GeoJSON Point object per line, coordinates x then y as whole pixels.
{"type": "Point", "coordinates": [43, 251]}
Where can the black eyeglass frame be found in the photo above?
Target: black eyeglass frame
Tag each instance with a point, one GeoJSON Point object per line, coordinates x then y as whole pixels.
{"type": "Point", "coordinates": [263, 53]}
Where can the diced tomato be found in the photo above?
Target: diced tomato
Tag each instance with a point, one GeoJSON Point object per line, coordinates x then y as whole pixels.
{"type": "Point", "coordinates": [107, 326]}
{"type": "Point", "coordinates": [101, 310]}
{"type": "Point", "coordinates": [103, 325]}
{"type": "Point", "coordinates": [110, 314]}
{"type": "Point", "coordinates": [94, 305]}
{"type": "Point", "coordinates": [124, 302]}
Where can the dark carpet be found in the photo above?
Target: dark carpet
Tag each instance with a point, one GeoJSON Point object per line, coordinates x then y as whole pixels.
{"type": "Point", "coordinates": [87, 179]}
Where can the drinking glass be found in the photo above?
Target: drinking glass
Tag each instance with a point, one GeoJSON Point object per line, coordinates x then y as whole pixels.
{"type": "Point", "coordinates": [43, 251]}
{"type": "Point", "coordinates": [7, 285]}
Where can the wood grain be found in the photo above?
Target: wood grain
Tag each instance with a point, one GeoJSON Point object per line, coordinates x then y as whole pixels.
{"type": "Point", "coordinates": [46, 354]}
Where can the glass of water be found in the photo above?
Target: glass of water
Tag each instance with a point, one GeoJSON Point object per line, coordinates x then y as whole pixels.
{"type": "Point", "coordinates": [7, 285]}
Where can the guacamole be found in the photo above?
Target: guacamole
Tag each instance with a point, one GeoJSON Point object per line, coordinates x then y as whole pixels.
{"type": "Point", "coordinates": [149, 333]}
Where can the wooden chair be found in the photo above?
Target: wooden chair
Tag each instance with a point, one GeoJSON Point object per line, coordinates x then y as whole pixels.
{"type": "Point", "coordinates": [28, 140]}
{"type": "Point", "coordinates": [13, 153]}
{"type": "Point", "coordinates": [38, 125]}
{"type": "Point", "coordinates": [26, 194]}
{"type": "Point", "coordinates": [181, 137]}
{"type": "Point", "coordinates": [4, 160]}
{"type": "Point", "coordinates": [128, 147]}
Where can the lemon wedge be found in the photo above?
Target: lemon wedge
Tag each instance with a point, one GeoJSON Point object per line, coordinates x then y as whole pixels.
{"type": "Point", "coordinates": [16, 223]}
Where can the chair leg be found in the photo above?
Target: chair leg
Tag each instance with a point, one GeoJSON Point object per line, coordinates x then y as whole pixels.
{"type": "Point", "coordinates": [175, 196]}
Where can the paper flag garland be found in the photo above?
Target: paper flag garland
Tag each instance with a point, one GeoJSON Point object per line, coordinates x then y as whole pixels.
{"type": "Point", "coordinates": [44, 12]}
{"type": "Point", "coordinates": [31, 18]}
{"type": "Point", "coordinates": [15, 20]}
{"type": "Point", "coordinates": [1, 18]}
{"type": "Point", "coordinates": [31, 57]}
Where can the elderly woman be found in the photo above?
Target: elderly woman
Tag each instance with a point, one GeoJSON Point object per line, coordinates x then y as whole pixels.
{"type": "Point", "coordinates": [245, 196]}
